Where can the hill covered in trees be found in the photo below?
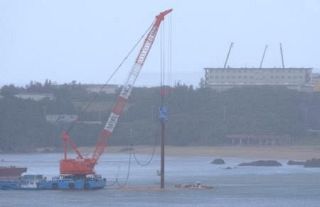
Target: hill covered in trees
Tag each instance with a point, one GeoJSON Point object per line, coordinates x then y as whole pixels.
{"type": "Point", "coordinates": [196, 116]}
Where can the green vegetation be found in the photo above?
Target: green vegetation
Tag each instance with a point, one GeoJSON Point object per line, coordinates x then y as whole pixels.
{"type": "Point", "coordinates": [196, 116]}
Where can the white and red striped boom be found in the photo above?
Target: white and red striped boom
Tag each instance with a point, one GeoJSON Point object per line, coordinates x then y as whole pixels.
{"type": "Point", "coordinates": [85, 166]}
{"type": "Point", "coordinates": [127, 87]}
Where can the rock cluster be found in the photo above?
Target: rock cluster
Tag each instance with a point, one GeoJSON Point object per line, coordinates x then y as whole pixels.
{"type": "Point", "coordinates": [218, 161]}
{"type": "Point", "coordinates": [312, 163]}
{"type": "Point", "coordinates": [265, 163]}
{"type": "Point", "coordinates": [293, 162]}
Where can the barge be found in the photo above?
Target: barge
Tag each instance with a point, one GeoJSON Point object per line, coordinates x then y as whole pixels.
{"type": "Point", "coordinates": [62, 182]}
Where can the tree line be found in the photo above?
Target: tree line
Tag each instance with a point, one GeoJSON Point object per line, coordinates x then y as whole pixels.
{"type": "Point", "coordinates": [196, 116]}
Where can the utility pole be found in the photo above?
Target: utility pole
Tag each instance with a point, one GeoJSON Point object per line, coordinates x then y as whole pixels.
{"type": "Point", "coordinates": [163, 118]}
{"type": "Point", "coordinates": [163, 126]}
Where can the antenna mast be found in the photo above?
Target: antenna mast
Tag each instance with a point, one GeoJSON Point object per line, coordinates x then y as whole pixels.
{"type": "Point", "coordinates": [281, 51]}
{"type": "Point", "coordinates": [230, 47]}
{"type": "Point", "coordinates": [264, 53]}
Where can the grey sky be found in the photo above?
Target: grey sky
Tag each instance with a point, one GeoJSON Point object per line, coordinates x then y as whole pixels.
{"type": "Point", "coordinates": [65, 40]}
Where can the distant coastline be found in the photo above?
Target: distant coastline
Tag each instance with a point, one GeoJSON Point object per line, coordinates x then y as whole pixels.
{"type": "Point", "coordinates": [269, 152]}
{"type": "Point", "coordinates": [255, 152]}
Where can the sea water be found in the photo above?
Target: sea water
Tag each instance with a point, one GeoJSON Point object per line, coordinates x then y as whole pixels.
{"type": "Point", "coordinates": [286, 186]}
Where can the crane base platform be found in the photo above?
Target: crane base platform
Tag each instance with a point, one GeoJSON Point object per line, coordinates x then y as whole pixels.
{"type": "Point", "coordinates": [62, 182]}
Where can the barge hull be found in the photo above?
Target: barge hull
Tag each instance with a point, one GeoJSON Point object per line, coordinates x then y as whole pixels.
{"type": "Point", "coordinates": [38, 182]}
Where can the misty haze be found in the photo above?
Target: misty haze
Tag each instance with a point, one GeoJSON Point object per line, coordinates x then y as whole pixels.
{"type": "Point", "coordinates": [167, 103]}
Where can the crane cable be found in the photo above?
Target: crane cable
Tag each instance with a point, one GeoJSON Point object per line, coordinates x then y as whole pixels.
{"type": "Point", "coordinates": [128, 173]}
{"type": "Point", "coordinates": [153, 152]}
{"type": "Point", "coordinates": [85, 108]}
{"type": "Point", "coordinates": [170, 53]}
{"type": "Point", "coordinates": [116, 181]}
{"type": "Point", "coordinates": [162, 88]}
{"type": "Point", "coordinates": [162, 85]}
{"type": "Point", "coordinates": [162, 78]}
{"type": "Point", "coordinates": [162, 57]}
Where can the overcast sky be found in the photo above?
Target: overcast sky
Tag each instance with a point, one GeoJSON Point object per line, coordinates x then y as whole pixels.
{"type": "Point", "coordinates": [84, 40]}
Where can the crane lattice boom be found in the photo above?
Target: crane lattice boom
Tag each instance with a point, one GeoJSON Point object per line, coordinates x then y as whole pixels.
{"type": "Point", "coordinates": [83, 166]}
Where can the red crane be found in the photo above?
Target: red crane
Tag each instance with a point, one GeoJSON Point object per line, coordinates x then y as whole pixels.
{"type": "Point", "coordinates": [85, 166]}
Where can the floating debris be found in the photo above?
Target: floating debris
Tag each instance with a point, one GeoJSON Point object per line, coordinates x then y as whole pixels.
{"type": "Point", "coordinates": [196, 185]}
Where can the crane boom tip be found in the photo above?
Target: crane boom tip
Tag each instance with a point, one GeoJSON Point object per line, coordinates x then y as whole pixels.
{"type": "Point", "coordinates": [164, 13]}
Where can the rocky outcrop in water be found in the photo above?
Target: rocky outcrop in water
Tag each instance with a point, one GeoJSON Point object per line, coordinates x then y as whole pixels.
{"type": "Point", "coordinates": [293, 162]}
{"type": "Point", "coordinates": [264, 163]}
{"type": "Point", "coordinates": [312, 163]}
{"type": "Point", "coordinates": [218, 161]}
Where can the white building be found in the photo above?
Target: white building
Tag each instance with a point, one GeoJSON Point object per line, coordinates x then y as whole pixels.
{"type": "Point", "coordinates": [35, 96]}
{"type": "Point", "coordinates": [65, 118]}
{"type": "Point", "coordinates": [100, 88]}
{"type": "Point", "coordinates": [225, 78]}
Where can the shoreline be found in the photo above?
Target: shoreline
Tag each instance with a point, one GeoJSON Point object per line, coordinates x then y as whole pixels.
{"type": "Point", "coordinates": [254, 152]}
{"type": "Point", "coordinates": [249, 152]}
